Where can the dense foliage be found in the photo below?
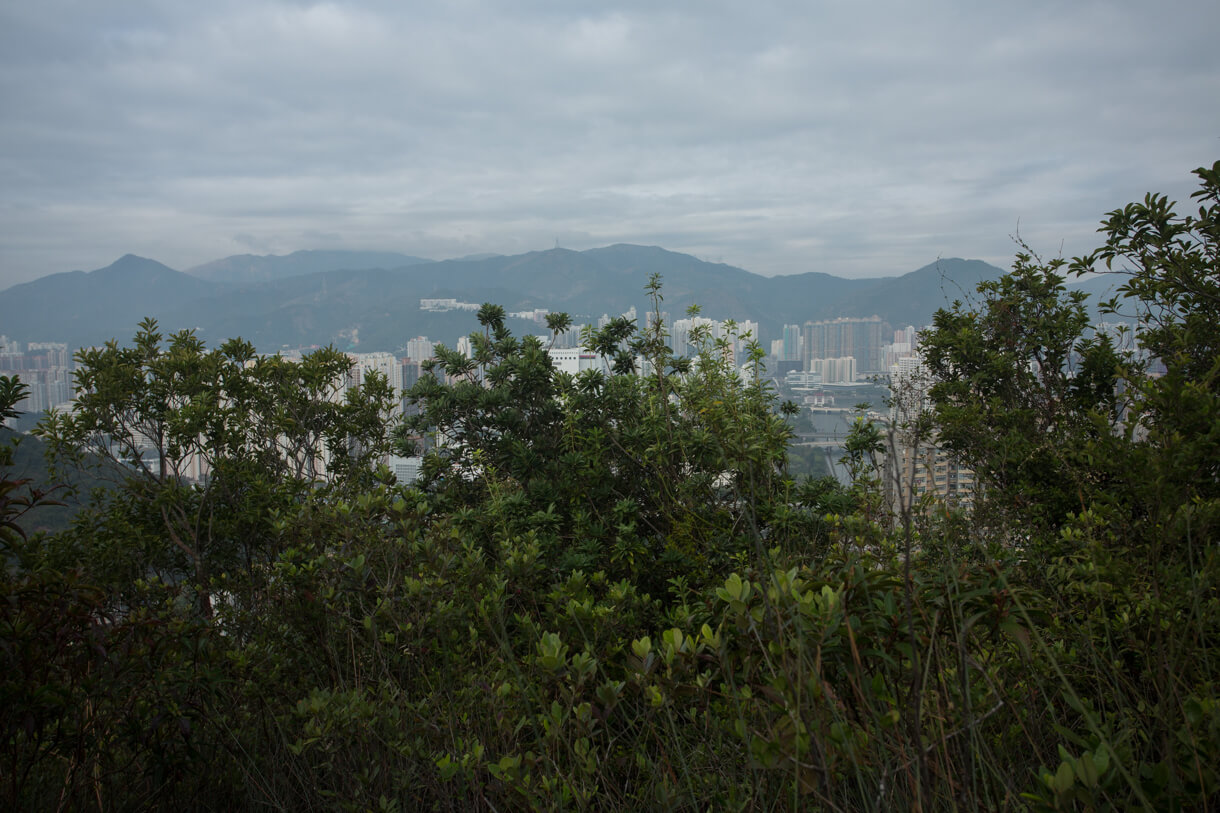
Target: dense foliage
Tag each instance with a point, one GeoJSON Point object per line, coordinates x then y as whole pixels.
{"type": "Point", "coordinates": [606, 591]}
{"type": "Point", "coordinates": [662, 467]}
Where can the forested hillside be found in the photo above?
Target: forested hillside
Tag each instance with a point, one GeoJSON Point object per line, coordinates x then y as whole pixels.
{"type": "Point", "coordinates": [312, 298]}
{"type": "Point", "coordinates": [606, 591]}
{"type": "Point", "coordinates": [67, 491]}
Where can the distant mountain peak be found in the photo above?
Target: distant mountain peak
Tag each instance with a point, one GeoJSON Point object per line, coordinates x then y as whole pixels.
{"type": "Point", "coordinates": [135, 264]}
{"type": "Point", "coordinates": [132, 259]}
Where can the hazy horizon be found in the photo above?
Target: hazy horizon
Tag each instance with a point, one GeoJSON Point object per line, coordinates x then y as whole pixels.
{"type": "Point", "coordinates": [779, 138]}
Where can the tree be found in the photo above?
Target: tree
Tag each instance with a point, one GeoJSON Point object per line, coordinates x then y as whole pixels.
{"type": "Point", "coordinates": [208, 446]}
{"type": "Point", "coordinates": [1023, 390]}
{"type": "Point", "coordinates": [1055, 418]}
{"type": "Point", "coordinates": [1171, 266]}
{"type": "Point", "coordinates": [658, 468]}
{"type": "Point", "coordinates": [12, 503]}
{"type": "Point", "coordinates": [1107, 459]}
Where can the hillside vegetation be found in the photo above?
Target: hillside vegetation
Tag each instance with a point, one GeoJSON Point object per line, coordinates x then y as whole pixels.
{"type": "Point", "coordinates": [311, 298]}
{"type": "Point", "coordinates": [606, 592]}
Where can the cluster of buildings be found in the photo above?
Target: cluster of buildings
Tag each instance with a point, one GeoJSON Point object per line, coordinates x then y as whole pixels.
{"type": "Point", "coordinates": [46, 368]}
{"type": "Point", "coordinates": [818, 353]}
{"type": "Point", "coordinates": [855, 347]}
{"type": "Point", "coordinates": [809, 360]}
{"type": "Point", "coordinates": [820, 357]}
{"type": "Point", "coordinates": [811, 363]}
{"type": "Point", "coordinates": [817, 362]}
{"type": "Point", "coordinates": [683, 334]}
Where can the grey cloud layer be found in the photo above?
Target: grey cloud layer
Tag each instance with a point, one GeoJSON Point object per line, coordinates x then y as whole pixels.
{"type": "Point", "coordinates": [850, 138]}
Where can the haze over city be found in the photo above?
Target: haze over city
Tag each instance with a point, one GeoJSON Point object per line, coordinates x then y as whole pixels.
{"type": "Point", "coordinates": [777, 137]}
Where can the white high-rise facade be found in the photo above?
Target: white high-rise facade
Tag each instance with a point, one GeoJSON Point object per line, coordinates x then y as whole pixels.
{"type": "Point", "coordinates": [745, 332]}
{"type": "Point", "coordinates": [840, 370]}
{"type": "Point", "coordinates": [573, 360]}
{"type": "Point", "coordinates": [421, 348]}
{"type": "Point", "coordinates": [386, 364]}
{"type": "Point", "coordinates": [791, 343]}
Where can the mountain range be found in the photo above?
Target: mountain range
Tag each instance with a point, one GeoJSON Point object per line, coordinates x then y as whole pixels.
{"type": "Point", "coordinates": [369, 301]}
{"type": "Point", "coordinates": [243, 269]}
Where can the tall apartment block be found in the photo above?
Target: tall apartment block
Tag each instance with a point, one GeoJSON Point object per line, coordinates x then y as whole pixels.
{"type": "Point", "coordinates": [836, 338]}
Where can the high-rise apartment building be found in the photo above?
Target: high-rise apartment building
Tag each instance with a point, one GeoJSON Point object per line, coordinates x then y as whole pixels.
{"type": "Point", "coordinates": [420, 349]}
{"type": "Point", "coordinates": [386, 364]}
{"type": "Point", "coordinates": [841, 370]}
{"type": "Point", "coordinates": [792, 343]}
{"type": "Point", "coordinates": [835, 338]}
{"type": "Point", "coordinates": [410, 373]}
{"type": "Point", "coordinates": [651, 316]}
{"type": "Point", "coordinates": [46, 355]}
{"type": "Point", "coordinates": [45, 368]}
{"type": "Point", "coordinates": [680, 335]}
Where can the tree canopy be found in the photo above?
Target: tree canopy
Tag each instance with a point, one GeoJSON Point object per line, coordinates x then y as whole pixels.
{"type": "Point", "coordinates": [650, 466]}
{"type": "Point", "coordinates": [607, 592]}
{"type": "Point", "coordinates": [208, 446]}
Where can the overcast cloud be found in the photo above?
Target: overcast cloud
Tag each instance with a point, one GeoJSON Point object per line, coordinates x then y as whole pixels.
{"type": "Point", "coordinates": [858, 139]}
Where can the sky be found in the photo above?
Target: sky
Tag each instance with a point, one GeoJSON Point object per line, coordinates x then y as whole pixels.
{"type": "Point", "coordinates": [858, 139]}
